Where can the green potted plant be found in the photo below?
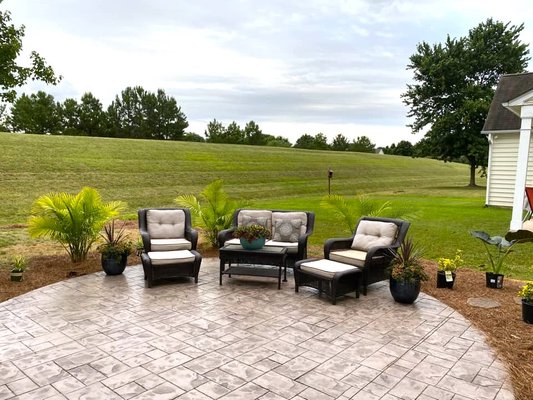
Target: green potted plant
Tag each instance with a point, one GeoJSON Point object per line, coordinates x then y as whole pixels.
{"type": "Point", "coordinates": [18, 266]}
{"type": "Point", "coordinates": [526, 293]}
{"type": "Point", "coordinates": [115, 249]}
{"type": "Point", "coordinates": [446, 270]}
{"type": "Point", "coordinates": [502, 248]}
{"type": "Point", "coordinates": [252, 237]}
{"type": "Point", "coordinates": [406, 273]}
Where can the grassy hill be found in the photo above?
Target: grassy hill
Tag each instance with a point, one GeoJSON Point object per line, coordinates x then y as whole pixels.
{"type": "Point", "coordinates": [152, 173]}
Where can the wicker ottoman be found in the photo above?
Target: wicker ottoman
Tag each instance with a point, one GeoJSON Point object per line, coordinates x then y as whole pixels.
{"type": "Point", "coordinates": [170, 264]}
{"type": "Point", "coordinates": [331, 277]}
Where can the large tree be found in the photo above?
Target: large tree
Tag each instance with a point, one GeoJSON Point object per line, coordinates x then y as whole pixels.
{"type": "Point", "coordinates": [36, 113]}
{"type": "Point", "coordinates": [362, 144]}
{"type": "Point", "coordinates": [137, 113]}
{"type": "Point", "coordinates": [12, 75]}
{"type": "Point", "coordinates": [454, 85]}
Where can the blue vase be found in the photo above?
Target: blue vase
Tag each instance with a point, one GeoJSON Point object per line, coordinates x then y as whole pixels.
{"type": "Point", "coordinates": [255, 244]}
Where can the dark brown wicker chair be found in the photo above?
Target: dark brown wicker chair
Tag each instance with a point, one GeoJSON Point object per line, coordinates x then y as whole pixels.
{"type": "Point", "coordinates": [169, 244]}
{"type": "Point", "coordinates": [371, 247]}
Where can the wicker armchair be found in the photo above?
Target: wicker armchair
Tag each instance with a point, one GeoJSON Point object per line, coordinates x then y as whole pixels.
{"type": "Point", "coordinates": [371, 247]}
{"type": "Point", "coordinates": [169, 244]}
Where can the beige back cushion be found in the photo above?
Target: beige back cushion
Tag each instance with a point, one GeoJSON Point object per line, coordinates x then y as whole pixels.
{"type": "Point", "coordinates": [165, 224]}
{"type": "Point", "coordinates": [290, 216]}
{"type": "Point", "coordinates": [374, 233]}
{"type": "Point", "coordinates": [255, 217]}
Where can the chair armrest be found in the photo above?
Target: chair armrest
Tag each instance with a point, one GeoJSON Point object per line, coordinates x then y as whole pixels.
{"type": "Point", "coordinates": [225, 235]}
{"type": "Point", "coordinates": [146, 241]}
{"type": "Point", "coordinates": [336, 244]}
{"type": "Point", "coordinates": [192, 236]}
{"type": "Point", "coordinates": [385, 252]}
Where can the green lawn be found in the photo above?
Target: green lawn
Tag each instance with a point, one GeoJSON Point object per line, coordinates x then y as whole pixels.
{"type": "Point", "coordinates": [152, 173]}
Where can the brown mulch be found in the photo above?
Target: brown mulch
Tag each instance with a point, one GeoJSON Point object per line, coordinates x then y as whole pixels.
{"type": "Point", "coordinates": [504, 328]}
{"type": "Point", "coordinates": [506, 332]}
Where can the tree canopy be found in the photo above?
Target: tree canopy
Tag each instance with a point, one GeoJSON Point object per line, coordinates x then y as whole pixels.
{"type": "Point", "coordinates": [12, 74]}
{"type": "Point", "coordinates": [454, 86]}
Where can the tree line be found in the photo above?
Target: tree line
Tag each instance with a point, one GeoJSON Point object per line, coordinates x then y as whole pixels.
{"type": "Point", "coordinates": [135, 113]}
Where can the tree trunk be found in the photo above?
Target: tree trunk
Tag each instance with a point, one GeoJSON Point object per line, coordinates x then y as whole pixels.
{"type": "Point", "coordinates": [472, 175]}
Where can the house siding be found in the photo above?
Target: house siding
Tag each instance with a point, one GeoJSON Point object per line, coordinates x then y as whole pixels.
{"type": "Point", "coordinates": [504, 154]}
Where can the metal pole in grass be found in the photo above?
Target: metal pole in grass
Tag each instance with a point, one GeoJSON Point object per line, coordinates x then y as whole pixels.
{"type": "Point", "coordinates": [330, 175]}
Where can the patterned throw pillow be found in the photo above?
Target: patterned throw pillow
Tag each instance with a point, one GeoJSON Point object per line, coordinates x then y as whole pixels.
{"type": "Point", "coordinates": [247, 221]}
{"type": "Point", "coordinates": [287, 230]}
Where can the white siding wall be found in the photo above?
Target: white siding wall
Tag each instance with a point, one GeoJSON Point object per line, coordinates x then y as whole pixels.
{"type": "Point", "coordinates": [504, 152]}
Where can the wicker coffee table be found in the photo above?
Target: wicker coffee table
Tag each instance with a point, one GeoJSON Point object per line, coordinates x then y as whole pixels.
{"type": "Point", "coordinates": [254, 261]}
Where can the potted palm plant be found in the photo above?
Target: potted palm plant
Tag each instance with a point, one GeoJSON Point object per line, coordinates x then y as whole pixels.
{"type": "Point", "coordinates": [526, 293]}
{"type": "Point", "coordinates": [252, 237]}
{"type": "Point", "coordinates": [115, 249]}
{"type": "Point", "coordinates": [406, 273]}
{"type": "Point", "coordinates": [17, 268]}
{"type": "Point", "coordinates": [446, 270]}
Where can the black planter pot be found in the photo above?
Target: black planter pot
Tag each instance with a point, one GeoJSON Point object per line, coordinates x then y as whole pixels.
{"type": "Point", "coordinates": [114, 265]}
{"type": "Point", "coordinates": [494, 281]}
{"type": "Point", "coordinates": [527, 312]}
{"type": "Point", "coordinates": [404, 292]}
{"type": "Point", "coordinates": [441, 280]}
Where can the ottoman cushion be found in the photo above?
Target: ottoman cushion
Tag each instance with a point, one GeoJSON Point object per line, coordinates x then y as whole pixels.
{"type": "Point", "coordinates": [171, 257]}
{"type": "Point", "coordinates": [326, 268]}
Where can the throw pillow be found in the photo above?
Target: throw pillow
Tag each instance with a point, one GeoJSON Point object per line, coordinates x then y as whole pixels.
{"type": "Point", "coordinates": [287, 230]}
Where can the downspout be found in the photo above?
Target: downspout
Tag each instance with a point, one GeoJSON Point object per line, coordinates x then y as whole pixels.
{"type": "Point", "coordinates": [526, 114]}
{"type": "Point", "coordinates": [490, 138]}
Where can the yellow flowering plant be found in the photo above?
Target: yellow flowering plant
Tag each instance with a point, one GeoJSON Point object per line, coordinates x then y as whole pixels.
{"type": "Point", "coordinates": [526, 292]}
{"type": "Point", "coordinates": [451, 264]}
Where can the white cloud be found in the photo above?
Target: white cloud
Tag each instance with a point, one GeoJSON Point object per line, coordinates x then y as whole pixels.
{"type": "Point", "coordinates": [293, 67]}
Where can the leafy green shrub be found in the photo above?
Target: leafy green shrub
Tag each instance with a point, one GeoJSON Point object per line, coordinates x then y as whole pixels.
{"type": "Point", "coordinates": [406, 264]}
{"type": "Point", "coordinates": [19, 263]}
{"type": "Point", "coordinates": [75, 221]}
{"type": "Point", "coordinates": [213, 212]}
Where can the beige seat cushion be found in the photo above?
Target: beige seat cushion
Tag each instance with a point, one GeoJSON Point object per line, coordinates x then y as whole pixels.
{"type": "Point", "coordinates": [165, 224]}
{"type": "Point", "coordinates": [374, 233]}
{"type": "Point", "coordinates": [170, 257]}
{"type": "Point", "coordinates": [232, 241]}
{"type": "Point", "coordinates": [292, 248]}
{"type": "Point", "coordinates": [352, 257]}
{"type": "Point", "coordinates": [170, 244]}
{"type": "Point", "coordinates": [326, 268]}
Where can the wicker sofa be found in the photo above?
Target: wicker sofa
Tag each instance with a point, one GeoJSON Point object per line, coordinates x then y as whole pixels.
{"type": "Point", "coordinates": [289, 229]}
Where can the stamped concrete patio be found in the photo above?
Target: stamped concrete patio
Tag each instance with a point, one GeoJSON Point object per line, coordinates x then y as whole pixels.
{"type": "Point", "coordinates": [100, 337]}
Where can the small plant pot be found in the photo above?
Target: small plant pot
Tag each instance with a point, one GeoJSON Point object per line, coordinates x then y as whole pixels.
{"type": "Point", "coordinates": [255, 244]}
{"type": "Point", "coordinates": [494, 281]}
{"type": "Point", "coordinates": [442, 282]}
{"type": "Point", "coordinates": [527, 312]}
{"type": "Point", "coordinates": [17, 276]}
{"type": "Point", "coordinates": [404, 292]}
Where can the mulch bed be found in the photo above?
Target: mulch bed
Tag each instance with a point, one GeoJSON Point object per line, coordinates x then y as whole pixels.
{"type": "Point", "coordinates": [506, 332]}
{"type": "Point", "coordinates": [503, 326]}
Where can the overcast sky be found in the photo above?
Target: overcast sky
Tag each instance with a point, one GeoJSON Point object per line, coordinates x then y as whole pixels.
{"type": "Point", "coordinates": [294, 67]}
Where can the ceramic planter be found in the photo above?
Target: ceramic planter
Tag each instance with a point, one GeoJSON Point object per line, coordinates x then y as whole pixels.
{"type": "Point", "coordinates": [442, 282]}
{"type": "Point", "coordinates": [404, 292]}
{"type": "Point", "coordinates": [494, 281]}
{"type": "Point", "coordinates": [527, 311]}
{"type": "Point", "coordinates": [255, 244]}
{"type": "Point", "coordinates": [114, 265]}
